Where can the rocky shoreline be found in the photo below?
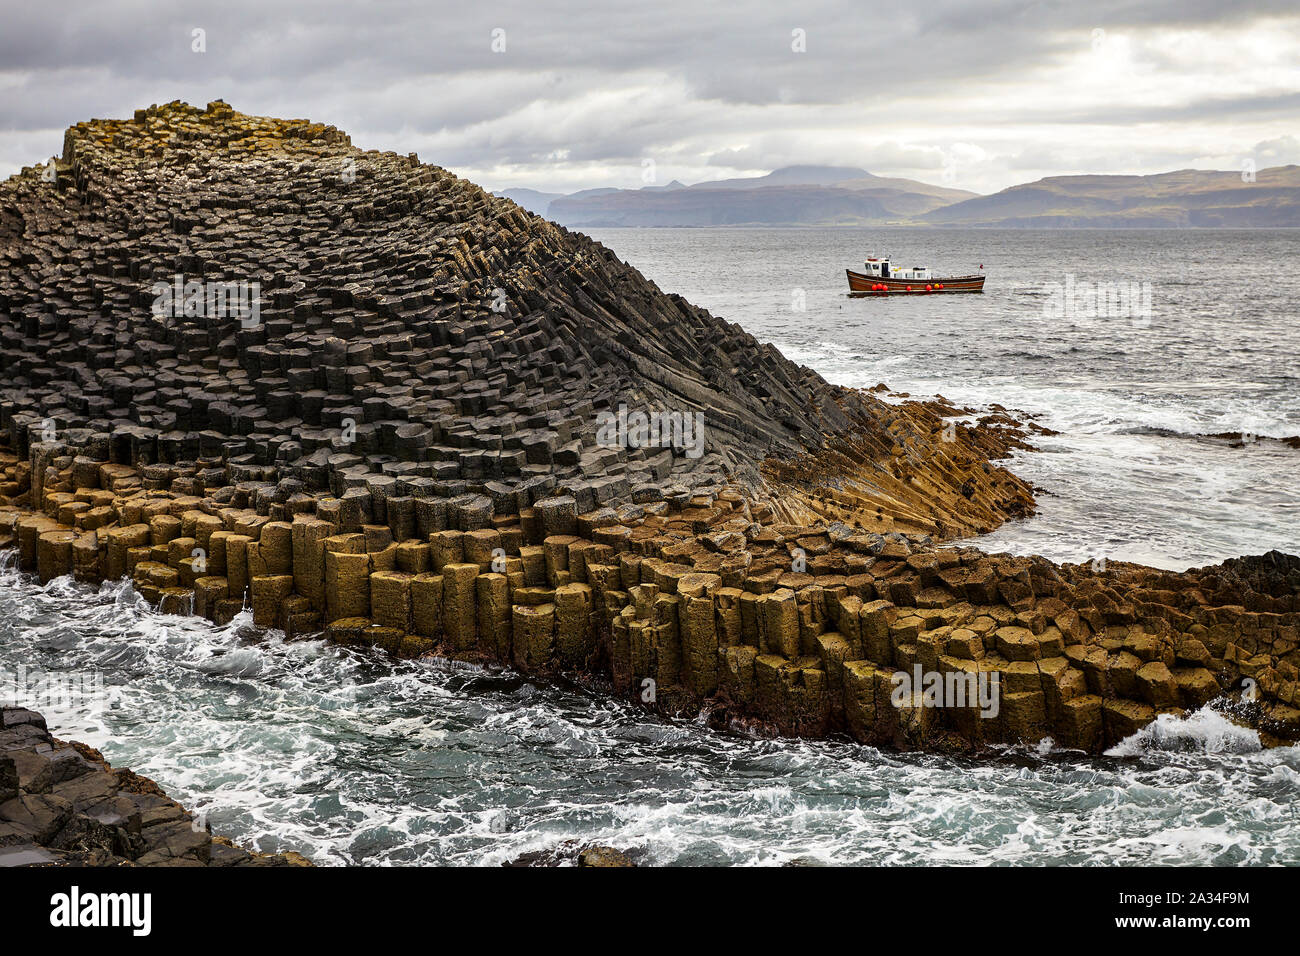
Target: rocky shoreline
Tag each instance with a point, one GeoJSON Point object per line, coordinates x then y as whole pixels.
{"type": "Point", "coordinates": [62, 804]}
{"type": "Point", "coordinates": [403, 442]}
{"type": "Point", "coordinates": [694, 607]}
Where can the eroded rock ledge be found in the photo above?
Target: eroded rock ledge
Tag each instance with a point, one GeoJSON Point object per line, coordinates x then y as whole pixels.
{"type": "Point", "coordinates": [61, 804]}
{"type": "Point", "coordinates": [697, 602]}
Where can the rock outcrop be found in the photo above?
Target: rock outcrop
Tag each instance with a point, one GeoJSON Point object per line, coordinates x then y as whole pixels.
{"type": "Point", "coordinates": [707, 603]}
{"type": "Point", "coordinates": [61, 804]}
{"type": "Point", "coordinates": [571, 853]}
{"type": "Point", "coordinates": [395, 454]}
{"type": "Point", "coordinates": [197, 286]}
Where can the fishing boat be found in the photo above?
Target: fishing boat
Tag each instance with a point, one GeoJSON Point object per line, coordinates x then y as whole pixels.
{"type": "Point", "coordinates": [880, 278]}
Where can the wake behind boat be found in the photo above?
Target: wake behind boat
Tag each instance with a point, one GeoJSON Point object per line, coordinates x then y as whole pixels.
{"type": "Point", "coordinates": [880, 279]}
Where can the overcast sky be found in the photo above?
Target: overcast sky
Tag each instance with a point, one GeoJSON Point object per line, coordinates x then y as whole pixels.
{"type": "Point", "coordinates": [563, 96]}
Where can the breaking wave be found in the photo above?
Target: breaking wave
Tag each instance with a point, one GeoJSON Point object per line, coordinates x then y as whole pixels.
{"type": "Point", "coordinates": [1206, 731]}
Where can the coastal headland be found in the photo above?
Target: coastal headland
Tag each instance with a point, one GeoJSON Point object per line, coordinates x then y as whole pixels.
{"type": "Point", "coordinates": [248, 365]}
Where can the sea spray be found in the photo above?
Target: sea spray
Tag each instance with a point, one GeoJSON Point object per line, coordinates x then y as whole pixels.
{"type": "Point", "coordinates": [1206, 730]}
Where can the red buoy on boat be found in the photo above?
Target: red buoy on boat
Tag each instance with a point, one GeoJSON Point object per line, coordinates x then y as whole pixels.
{"type": "Point", "coordinates": [909, 288]}
{"type": "Point", "coordinates": [929, 289]}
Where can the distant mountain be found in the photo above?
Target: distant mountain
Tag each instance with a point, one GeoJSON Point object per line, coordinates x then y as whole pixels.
{"type": "Point", "coordinates": [794, 195]}
{"type": "Point", "coordinates": [531, 199]}
{"type": "Point", "coordinates": [845, 195]}
{"type": "Point", "coordinates": [539, 202]}
{"type": "Point", "coordinates": [791, 176]}
{"type": "Point", "coordinates": [1188, 197]}
{"type": "Point", "coordinates": [585, 193]}
{"type": "Point", "coordinates": [773, 205]}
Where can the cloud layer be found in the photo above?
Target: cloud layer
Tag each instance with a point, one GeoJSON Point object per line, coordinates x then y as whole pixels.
{"type": "Point", "coordinates": [561, 96]}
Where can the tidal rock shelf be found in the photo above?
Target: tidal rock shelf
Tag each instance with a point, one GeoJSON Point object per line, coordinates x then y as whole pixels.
{"type": "Point", "coordinates": [61, 804]}
{"type": "Point", "coordinates": [703, 603]}
{"type": "Point", "coordinates": [396, 443]}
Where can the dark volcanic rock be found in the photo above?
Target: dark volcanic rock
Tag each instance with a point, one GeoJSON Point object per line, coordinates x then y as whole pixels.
{"type": "Point", "coordinates": [62, 804]}
{"type": "Point", "coordinates": [572, 853]}
{"type": "Point", "coordinates": [427, 428]}
{"type": "Point", "coordinates": [196, 289]}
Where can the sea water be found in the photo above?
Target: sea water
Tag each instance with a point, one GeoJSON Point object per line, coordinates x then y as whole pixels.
{"type": "Point", "coordinates": [1129, 476]}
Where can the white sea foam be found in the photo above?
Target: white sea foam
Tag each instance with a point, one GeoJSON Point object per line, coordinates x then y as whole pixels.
{"type": "Point", "coordinates": [1203, 731]}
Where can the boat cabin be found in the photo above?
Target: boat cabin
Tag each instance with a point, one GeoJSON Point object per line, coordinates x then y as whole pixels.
{"type": "Point", "coordinates": [880, 267]}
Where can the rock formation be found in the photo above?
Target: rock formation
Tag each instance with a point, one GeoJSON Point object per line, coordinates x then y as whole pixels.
{"type": "Point", "coordinates": [348, 320]}
{"type": "Point", "coordinates": [417, 439]}
{"type": "Point", "coordinates": [61, 804]}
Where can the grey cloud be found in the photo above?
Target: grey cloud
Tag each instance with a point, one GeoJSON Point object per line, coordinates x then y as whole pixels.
{"type": "Point", "coordinates": [724, 87]}
{"type": "Point", "coordinates": [1283, 151]}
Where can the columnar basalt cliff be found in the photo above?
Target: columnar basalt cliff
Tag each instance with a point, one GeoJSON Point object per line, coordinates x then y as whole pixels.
{"type": "Point", "coordinates": [409, 326]}
{"type": "Point", "coordinates": [400, 446]}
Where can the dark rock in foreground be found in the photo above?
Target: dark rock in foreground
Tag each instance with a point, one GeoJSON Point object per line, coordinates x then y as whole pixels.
{"type": "Point", "coordinates": [61, 804]}
{"type": "Point", "coordinates": [572, 853]}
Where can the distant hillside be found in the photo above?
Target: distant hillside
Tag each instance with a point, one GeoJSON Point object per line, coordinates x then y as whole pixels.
{"type": "Point", "coordinates": [531, 199]}
{"type": "Point", "coordinates": [775, 205]}
{"type": "Point", "coordinates": [794, 195]}
{"type": "Point", "coordinates": [791, 176]}
{"type": "Point", "coordinates": [1188, 197]}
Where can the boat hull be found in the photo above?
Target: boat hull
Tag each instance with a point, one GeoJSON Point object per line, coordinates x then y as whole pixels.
{"type": "Point", "coordinates": [860, 284]}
